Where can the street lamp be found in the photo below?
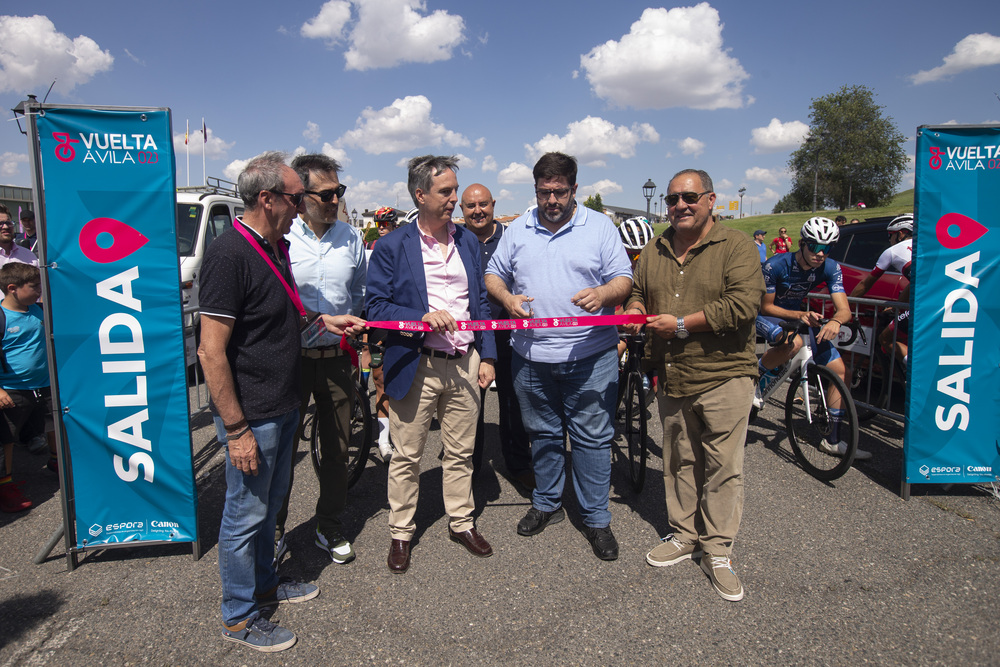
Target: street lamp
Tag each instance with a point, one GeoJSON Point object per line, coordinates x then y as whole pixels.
{"type": "Point", "coordinates": [648, 190]}
{"type": "Point", "coordinates": [663, 207]}
{"type": "Point", "coordinates": [354, 217]}
{"type": "Point", "coordinates": [742, 192]}
{"type": "Point", "coordinates": [850, 186]}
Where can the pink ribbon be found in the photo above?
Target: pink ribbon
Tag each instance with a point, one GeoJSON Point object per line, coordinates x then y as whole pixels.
{"type": "Point", "coordinates": [507, 325]}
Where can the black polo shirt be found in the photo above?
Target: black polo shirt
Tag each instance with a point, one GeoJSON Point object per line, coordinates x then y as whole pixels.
{"type": "Point", "coordinates": [263, 350]}
{"type": "Point", "coordinates": [489, 246]}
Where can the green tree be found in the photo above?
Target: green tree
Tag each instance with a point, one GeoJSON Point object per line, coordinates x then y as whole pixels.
{"type": "Point", "coordinates": [594, 202]}
{"type": "Point", "coordinates": [856, 150]}
{"type": "Point", "coordinates": [790, 203]}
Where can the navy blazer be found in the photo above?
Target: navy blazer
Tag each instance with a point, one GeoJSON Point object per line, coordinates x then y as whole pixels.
{"type": "Point", "coordinates": [397, 291]}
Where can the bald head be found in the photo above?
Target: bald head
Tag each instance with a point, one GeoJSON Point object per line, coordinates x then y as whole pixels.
{"type": "Point", "coordinates": [477, 207]}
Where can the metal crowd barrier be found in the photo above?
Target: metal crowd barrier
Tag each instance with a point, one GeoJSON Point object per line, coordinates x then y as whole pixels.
{"type": "Point", "coordinates": [197, 390]}
{"type": "Point", "coordinates": [861, 361]}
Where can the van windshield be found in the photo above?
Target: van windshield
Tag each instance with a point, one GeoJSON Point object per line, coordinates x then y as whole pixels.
{"type": "Point", "coordinates": [188, 216]}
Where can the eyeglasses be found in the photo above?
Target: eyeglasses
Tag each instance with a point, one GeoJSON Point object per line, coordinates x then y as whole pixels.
{"type": "Point", "coordinates": [688, 197]}
{"type": "Point", "coordinates": [545, 194]}
{"type": "Point", "coordinates": [296, 199]}
{"type": "Point", "coordinates": [7, 223]}
{"type": "Point", "coordinates": [816, 248]}
{"type": "Point", "coordinates": [326, 196]}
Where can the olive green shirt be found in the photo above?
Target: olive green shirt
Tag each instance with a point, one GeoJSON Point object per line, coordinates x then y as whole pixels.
{"type": "Point", "coordinates": [721, 276]}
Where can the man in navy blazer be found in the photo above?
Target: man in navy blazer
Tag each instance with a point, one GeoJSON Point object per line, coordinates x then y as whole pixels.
{"type": "Point", "coordinates": [431, 271]}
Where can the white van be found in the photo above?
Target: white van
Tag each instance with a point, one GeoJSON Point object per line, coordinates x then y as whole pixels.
{"type": "Point", "coordinates": [203, 213]}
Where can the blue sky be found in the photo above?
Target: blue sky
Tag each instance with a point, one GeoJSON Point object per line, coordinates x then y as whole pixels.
{"type": "Point", "coordinates": [635, 91]}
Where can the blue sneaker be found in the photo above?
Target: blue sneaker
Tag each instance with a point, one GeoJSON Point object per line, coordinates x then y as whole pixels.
{"type": "Point", "coordinates": [261, 634]}
{"type": "Point", "coordinates": [288, 592]}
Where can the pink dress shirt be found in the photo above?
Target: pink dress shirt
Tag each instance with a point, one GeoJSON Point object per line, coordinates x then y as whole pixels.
{"type": "Point", "coordinates": [447, 289]}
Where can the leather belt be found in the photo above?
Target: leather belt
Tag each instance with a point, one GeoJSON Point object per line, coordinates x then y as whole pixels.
{"type": "Point", "coordinates": [439, 354]}
{"type": "Point", "coordinates": [322, 352]}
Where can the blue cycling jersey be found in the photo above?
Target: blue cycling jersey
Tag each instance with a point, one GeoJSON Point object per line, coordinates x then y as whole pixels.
{"type": "Point", "coordinates": [790, 283]}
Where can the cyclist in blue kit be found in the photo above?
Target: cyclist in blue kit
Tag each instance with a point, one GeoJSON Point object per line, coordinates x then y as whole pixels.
{"type": "Point", "coordinates": [788, 279]}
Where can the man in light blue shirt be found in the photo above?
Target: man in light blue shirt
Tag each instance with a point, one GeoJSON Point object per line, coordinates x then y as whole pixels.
{"type": "Point", "coordinates": [328, 263]}
{"type": "Point", "coordinates": [564, 260]}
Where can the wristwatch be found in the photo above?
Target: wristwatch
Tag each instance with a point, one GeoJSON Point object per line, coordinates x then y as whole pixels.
{"type": "Point", "coordinates": [681, 331]}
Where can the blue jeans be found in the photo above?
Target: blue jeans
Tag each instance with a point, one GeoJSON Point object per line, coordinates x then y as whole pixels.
{"type": "Point", "coordinates": [246, 536]}
{"type": "Point", "coordinates": [575, 397]}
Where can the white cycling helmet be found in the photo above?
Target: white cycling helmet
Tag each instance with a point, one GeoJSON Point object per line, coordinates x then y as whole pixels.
{"type": "Point", "coordinates": [901, 222]}
{"type": "Point", "coordinates": [820, 230]}
{"type": "Point", "coordinates": [411, 216]}
{"type": "Point", "coordinates": [635, 233]}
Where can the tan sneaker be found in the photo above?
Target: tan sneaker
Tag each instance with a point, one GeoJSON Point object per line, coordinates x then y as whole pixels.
{"type": "Point", "coordinates": [670, 551]}
{"type": "Point", "coordinates": [720, 570]}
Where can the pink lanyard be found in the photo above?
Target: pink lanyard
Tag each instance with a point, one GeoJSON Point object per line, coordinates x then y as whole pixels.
{"type": "Point", "coordinates": [293, 290]}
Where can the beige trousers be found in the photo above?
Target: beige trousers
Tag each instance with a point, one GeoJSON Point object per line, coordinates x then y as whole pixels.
{"type": "Point", "coordinates": [703, 440]}
{"type": "Point", "coordinates": [448, 388]}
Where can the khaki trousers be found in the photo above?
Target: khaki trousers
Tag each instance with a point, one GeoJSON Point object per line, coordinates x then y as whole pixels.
{"type": "Point", "coordinates": [448, 388]}
{"type": "Point", "coordinates": [703, 440]}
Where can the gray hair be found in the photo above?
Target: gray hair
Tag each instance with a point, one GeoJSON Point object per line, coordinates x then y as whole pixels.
{"type": "Point", "coordinates": [706, 180]}
{"type": "Point", "coordinates": [304, 164]}
{"type": "Point", "coordinates": [423, 169]}
{"type": "Point", "coordinates": [261, 174]}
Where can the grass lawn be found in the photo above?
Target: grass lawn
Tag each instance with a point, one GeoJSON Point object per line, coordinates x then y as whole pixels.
{"type": "Point", "coordinates": [770, 223]}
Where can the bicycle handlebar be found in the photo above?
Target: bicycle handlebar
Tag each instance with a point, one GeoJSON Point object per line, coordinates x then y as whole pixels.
{"type": "Point", "coordinates": [792, 328]}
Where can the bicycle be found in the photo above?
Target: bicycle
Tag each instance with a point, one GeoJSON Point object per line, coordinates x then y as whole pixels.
{"type": "Point", "coordinates": [362, 435]}
{"type": "Point", "coordinates": [807, 416]}
{"type": "Point", "coordinates": [631, 405]}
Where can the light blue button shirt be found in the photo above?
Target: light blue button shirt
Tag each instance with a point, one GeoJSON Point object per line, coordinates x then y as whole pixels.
{"type": "Point", "coordinates": [552, 268]}
{"type": "Point", "coordinates": [330, 272]}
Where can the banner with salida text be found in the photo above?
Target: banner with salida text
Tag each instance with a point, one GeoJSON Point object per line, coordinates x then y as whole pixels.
{"type": "Point", "coordinates": [953, 402]}
{"type": "Point", "coordinates": [116, 318]}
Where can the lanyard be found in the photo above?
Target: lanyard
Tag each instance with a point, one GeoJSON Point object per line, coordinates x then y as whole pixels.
{"type": "Point", "coordinates": [293, 290]}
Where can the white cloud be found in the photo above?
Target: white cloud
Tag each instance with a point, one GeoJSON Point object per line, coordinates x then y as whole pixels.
{"type": "Point", "coordinates": [403, 162]}
{"type": "Point", "coordinates": [329, 24]}
{"type": "Point", "coordinates": [405, 125]}
{"type": "Point", "coordinates": [768, 193]}
{"type": "Point", "coordinates": [480, 144]}
{"type": "Point", "coordinates": [515, 173]}
{"type": "Point", "coordinates": [10, 163]}
{"type": "Point", "coordinates": [234, 169]}
{"type": "Point", "coordinates": [762, 175]}
{"type": "Point", "coordinates": [724, 184]}
{"type": "Point", "coordinates": [33, 53]}
{"type": "Point", "coordinates": [597, 164]}
{"type": "Point", "coordinates": [375, 42]}
{"type": "Point", "coordinates": [311, 132]}
{"type": "Point", "coordinates": [370, 195]}
{"type": "Point", "coordinates": [669, 58]}
{"type": "Point", "coordinates": [215, 149]}
{"type": "Point", "coordinates": [973, 51]}
{"type": "Point", "coordinates": [465, 162]}
{"type": "Point", "coordinates": [691, 146]}
{"type": "Point", "coordinates": [134, 59]}
{"type": "Point", "coordinates": [489, 163]}
{"type": "Point", "coordinates": [337, 153]}
{"type": "Point", "coordinates": [299, 150]}
{"type": "Point", "coordinates": [605, 187]}
{"type": "Point", "coordinates": [504, 195]}
{"type": "Point", "coordinates": [593, 138]}
{"type": "Point", "coordinates": [778, 136]}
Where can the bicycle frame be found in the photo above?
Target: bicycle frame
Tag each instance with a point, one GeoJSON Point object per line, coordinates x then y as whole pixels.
{"type": "Point", "coordinates": [799, 362]}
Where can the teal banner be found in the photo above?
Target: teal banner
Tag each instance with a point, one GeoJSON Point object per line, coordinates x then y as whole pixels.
{"type": "Point", "coordinates": [116, 317]}
{"type": "Point", "coordinates": [953, 403]}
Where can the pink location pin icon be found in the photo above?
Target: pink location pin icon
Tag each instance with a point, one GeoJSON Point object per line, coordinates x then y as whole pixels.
{"type": "Point", "coordinates": [125, 240]}
{"type": "Point", "coordinates": [969, 231]}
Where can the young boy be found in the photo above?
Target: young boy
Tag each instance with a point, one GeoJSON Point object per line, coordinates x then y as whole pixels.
{"type": "Point", "coordinates": [25, 396]}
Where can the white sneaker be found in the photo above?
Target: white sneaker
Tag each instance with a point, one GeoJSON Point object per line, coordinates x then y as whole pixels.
{"type": "Point", "coordinates": [841, 448]}
{"type": "Point", "coordinates": [385, 450]}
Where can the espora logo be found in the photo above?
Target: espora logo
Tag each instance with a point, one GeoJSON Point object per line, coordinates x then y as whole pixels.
{"type": "Point", "coordinates": [122, 351]}
{"type": "Point", "coordinates": [965, 158]}
{"type": "Point", "coordinates": [956, 232]}
{"type": "Point", "coordinates": [107, 148]}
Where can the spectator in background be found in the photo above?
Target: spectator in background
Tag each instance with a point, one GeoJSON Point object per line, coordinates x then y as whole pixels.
{"type": "Point", "coordinates": [840, 220]}
{"type": "Point", "coordinates": [10, 251]}
{"type": "Point", "coordinates": [28, 238]}
{"type": "Point", "coordinates": [758, 238]}
{"type": "Point", "coordinates": [782, 243]}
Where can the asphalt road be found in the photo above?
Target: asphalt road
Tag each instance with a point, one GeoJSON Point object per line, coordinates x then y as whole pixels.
{"type": "Point", "coordinates": [836, 574]}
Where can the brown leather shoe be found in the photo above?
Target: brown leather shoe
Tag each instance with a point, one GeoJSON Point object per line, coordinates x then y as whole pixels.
{"type": "Point", "coordinates": [399, 556]}
{"type": "Point", "coordinates": [473, 541]}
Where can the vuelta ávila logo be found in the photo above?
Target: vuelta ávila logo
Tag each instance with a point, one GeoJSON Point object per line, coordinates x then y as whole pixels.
{"type": "Point", "coordinates": [965, 158]}
{"type": "Point", "coordinates": [108, 148]}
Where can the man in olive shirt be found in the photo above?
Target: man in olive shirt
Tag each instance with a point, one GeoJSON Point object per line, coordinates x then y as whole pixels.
{"type": "Point", "coordinates": [704, 283]}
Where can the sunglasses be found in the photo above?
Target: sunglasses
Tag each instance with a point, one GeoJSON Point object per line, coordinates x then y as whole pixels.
{"type": "Point", "coordinates": [816, 248]}
{"type": "Point", "coordinates": [326, 196]}
{"type": "Point", "coordinates": [688, 197]}
{"type": "Point", "coordinates": [545, 194]}
{"type": "Point", "coordinates": [296, 199]}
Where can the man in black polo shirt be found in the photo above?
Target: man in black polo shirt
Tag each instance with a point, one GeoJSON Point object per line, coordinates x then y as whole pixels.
{"type": "Point", "coordinates": [251, 317]}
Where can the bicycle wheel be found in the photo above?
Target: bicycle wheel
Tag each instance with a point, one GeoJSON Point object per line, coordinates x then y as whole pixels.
{"type": "Point", "coordinates": [808, 423]}
{"type": "Point", "coordinates": [360, 442]}
{"type": "Point", "coordinates": [635, 429]}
